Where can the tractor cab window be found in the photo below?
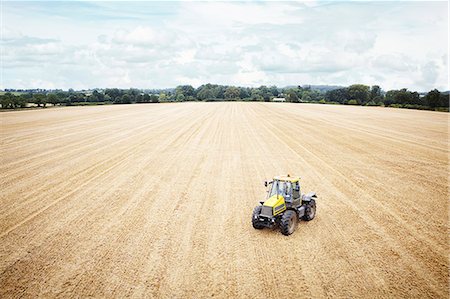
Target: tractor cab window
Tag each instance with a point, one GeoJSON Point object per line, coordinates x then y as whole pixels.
{"type": "Point", "coordinates": [288, 188]}
{"type": "Point", "coordinates": [275, 188]}
{"type": "Point", "coordinates": [281, 188]}
{"type": "Point", "coordinates": [296, 191]}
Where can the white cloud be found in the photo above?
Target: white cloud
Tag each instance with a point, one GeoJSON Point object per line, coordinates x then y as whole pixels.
{"type": "Point", "coordinates": [152, 45]}
{"type": "Point", "coordinates": [185, 56]}
{"type": "Point", "coordinates": [142, 36]}
{"type": "Point", "coordinates": [395, 62]}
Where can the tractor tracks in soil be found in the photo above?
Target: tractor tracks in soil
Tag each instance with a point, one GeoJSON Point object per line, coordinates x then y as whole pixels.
{"type": "Point", "coordinates": [155, 201]}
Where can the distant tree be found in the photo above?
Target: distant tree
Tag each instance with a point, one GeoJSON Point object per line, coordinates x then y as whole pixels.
{"type": "Point", "coordinates": [256, 95]}
{"type": "Point", "coordinates": [265, 93]}
{"type": "Point", "coordinates": [185, 90]}
{"type": "Point", "coordinates": [97, 96]}
{"type": "Point", "coordinates": [113, 93]}
{"type": "Point", "coordinates": [205, 93]}
{"type": "Point", "coordinates": [244, 92]}
{"type": "Point", "coordinates": [28, 97]}
{"type": "Point", "coordinates": [39, 99]}
{"type": "Point", "coordinates": [62, 96]}
{"type": "Point", "coordinates": [444, 100]}
{"type": "Point", "coordinates": [390, 96]}
{"type": "Point", "coordinates": [292, 96]}
{"type": "Point", "coordinates": [315, 95]}
{"type": "Point", "coordinates": [433, 98]}
{"type": "Point", "coordinates": [20, 101]}
{"type": "Point", "coordinates": [274, 90]}
{"type": "Point", "coordinates": [134, 94]}
{"type": "Point", "coordinates": [77, 97]}
{"type": "Point", "coordinates": [375, 94]}
{"type": "Point", "coordinates": [219, 92]}
{"type": "Point", "coordinates": [125, 99]}
{"type": "Point", "coordinates": [162, 97]}
{"type": "Point", "coordinates": [146, 98]}
{"type": "Point", "coordinates": [339, 95]}
{"type": "Point", "coordinates": [232, 92]}
{"type": "Point", "coordinates": [7, 100]}
{"type": "Point", "coordinates": [180, 97]}
{"type": "Point", "coordinates": [403, 97]}
{"type": "Point", "coordinates": [306, 97]}
{"type": "Point", "coordinates": [53, 99]}
{"type": "Point", "coordinates": [154, 98]}
{"type": "Point", "coordinates": [414, 98]}
{"type": "Point", "coordinates": [358, 93]}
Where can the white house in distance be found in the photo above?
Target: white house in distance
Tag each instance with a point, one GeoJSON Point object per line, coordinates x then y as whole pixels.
{"type": "Point", "coordinates": [279, 100]}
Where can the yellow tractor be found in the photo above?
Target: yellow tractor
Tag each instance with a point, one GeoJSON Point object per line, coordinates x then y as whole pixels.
{"type": "Point", "coordinates": [284, 206]}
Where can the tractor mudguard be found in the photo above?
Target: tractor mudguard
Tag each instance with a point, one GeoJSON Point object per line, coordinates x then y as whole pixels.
{"type": "Point", "coordinates": [309, 196]}
{"type": "Point", "coordinates": [301, 212]}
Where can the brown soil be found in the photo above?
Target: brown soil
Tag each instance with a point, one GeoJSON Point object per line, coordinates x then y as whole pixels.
{"type": "Point", "coordinates": [155, 201]}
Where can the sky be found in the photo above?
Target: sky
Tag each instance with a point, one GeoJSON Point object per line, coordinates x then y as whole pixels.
{"type": "Point", "coordinates": [155, 44]}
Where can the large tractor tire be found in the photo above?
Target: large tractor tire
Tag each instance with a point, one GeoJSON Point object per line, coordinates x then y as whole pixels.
{"type": "Point", "coordinates": [288, 222]}
{"type": "Point", "coordinates": [310, 212]}
{"type": "Point", "coordinates": [255, 221]}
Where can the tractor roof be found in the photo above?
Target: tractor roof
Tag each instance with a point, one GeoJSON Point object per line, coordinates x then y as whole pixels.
{"type": "Point", "coordinates": [287, 178]}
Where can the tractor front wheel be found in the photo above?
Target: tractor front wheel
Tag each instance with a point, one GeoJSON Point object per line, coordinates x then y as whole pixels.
{"type": "Point", "coordinates": [255, 221]}
{"type": "Point", "coordinates": [288, 222]}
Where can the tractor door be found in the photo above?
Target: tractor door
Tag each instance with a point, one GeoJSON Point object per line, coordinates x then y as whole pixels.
{"type": "Point", "coordinates": [287, 194]}
{"type": "Point", "coordinates": [296, 194]}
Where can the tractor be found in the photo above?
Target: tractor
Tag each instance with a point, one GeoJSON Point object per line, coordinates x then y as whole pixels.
{"type": "Point", "coordinates": [284, 205]}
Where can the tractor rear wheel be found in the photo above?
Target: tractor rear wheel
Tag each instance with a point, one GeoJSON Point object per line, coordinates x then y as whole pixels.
{"type": "Point", "coordinates": [288, 222]}
{"type": "Point", "coordinates": [310, 212]}
{"type": "Point", "coordinates": [255, 221]}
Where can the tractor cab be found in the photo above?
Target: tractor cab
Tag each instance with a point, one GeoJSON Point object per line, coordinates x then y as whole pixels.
{"type": "Point", "coordinates": [286, 186]}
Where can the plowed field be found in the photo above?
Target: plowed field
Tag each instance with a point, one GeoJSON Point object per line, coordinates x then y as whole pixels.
{"type": "Point", "coordinates": [155, 201]}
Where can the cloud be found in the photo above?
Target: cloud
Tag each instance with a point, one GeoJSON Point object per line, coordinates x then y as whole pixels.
{"type": "Point", "coordinates": [430, 73]}
{"type": "Point", "coordinates": [156, 44]}
{"type": "Point", "coordinates": [394, 62]}
{"type": "Point", "coordinates": [142, 36]}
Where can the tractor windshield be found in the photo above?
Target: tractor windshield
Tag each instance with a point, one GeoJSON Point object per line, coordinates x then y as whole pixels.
{"type": "Point", "coordinates": [281, 188]}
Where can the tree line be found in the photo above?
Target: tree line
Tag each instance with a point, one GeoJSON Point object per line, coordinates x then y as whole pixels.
{"type": "Point", "coordinates": [357, 94]}
{"type": "Point", "coordinates": [72, 98]}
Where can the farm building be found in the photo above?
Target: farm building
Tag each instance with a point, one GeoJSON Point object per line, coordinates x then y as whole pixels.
{"type": "Point", "coordinates": [279, 100]}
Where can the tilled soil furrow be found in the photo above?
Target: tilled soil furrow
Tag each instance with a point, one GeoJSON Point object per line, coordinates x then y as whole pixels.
{"type": "Point", "coordinates": [74, 153]}
{"type": "Point", "coordinates": [411, 261]}
{"type": "Point", "coordinates": [380, 205]}
{"type": "Point", "coordinates": [155, 201]}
